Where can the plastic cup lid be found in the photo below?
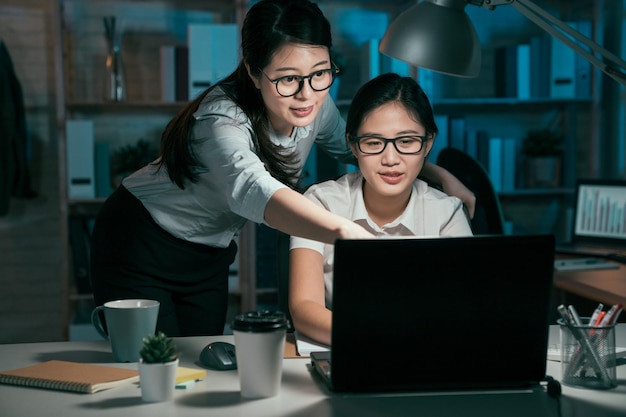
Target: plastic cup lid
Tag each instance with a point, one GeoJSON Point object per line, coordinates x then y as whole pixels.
{"type": "Point", "coordinates": [259, 321]}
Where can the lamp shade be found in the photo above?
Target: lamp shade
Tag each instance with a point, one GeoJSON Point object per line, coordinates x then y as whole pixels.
{"type": "Point", "coordinates": [437, 35]}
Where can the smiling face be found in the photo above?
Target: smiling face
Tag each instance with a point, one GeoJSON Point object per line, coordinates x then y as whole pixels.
{"type": "Point", "coordinates": [389, 175]}
{"type": "Point", "coordinates": [299, 110]}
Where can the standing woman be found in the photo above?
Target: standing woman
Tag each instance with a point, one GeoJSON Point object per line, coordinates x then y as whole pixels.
{"type": "Point", "coordinates": [233, 154]}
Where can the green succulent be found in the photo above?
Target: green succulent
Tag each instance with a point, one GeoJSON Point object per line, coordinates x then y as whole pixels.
{"type": "Point", "coordinates": [158, 348]}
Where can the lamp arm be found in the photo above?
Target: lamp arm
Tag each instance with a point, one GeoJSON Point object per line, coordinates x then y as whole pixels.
{"type": "Point", "coordinates": [613, 66]}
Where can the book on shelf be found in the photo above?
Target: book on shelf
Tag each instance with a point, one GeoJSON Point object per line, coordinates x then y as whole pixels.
{"type": "Point", "coordinates": [513, 71]}
{"type": "Point", "coordinates": [495, 164]}
{"type": "Point", "coordinates": [174, 73]}
{"type": "Point", "coordinates": [539, 66]}
{"type": "Point", "coordinates": [502, 163]}
{"type": "Point", "coordinates": [509, 163]}
{"type": "Point", "coordinates": [582, 83]}
{"type": "Point", "coordinates": [70, 376]}
{"type": "Point", "coordinates": [80, 159]}
{"type": "Point", "coordinates": [456, 132]}
{"type": "Point", "coordinates": [562, 69]}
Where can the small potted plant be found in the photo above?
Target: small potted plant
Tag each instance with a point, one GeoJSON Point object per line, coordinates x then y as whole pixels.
{"type": "Point", "coordinates": [543, 150]}
{"type": "Point", "coordinates": [158, 362]}
{"type": "Point", "coordinates": [128, 158]}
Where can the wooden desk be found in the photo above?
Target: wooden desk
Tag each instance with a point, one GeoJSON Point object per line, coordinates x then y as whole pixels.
{"type": "Point", "coordinates": [607, 286]}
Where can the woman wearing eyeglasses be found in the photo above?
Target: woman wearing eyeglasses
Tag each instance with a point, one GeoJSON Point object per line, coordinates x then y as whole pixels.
{"type": "Point", "coordinates": [390, 130]}
{"type": "Point", "coordinates": [231, 155]}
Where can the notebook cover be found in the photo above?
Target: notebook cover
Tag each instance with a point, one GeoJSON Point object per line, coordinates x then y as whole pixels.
{"type": "Point", "coordinates": [69, 376]}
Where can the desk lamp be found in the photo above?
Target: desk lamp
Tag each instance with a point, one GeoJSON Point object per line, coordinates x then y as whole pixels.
{"type": "Point", "coordinates": [438, 35]}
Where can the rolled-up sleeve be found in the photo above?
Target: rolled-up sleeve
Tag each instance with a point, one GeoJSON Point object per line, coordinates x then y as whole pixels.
{"type": "Point", "coordinates": [236, 172]}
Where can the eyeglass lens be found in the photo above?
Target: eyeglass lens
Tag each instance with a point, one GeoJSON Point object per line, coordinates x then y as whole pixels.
{"type": "Point", "coordinates": [403, 144]}
{"type": "Point", "coordinates": [291, 85]}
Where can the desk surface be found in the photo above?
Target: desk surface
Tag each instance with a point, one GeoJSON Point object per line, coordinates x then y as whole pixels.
{"type": "Point", "coordinates": [301, 394]}
{"type": "Point", "coordinates": [607, 286]}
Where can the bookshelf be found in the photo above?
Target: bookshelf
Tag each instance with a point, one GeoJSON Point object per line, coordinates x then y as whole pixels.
{"type": "Point", "coordinates": [80, 52]}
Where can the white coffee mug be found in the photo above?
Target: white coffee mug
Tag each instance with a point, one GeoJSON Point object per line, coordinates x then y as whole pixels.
{"type": "Point", "coordinates": [127, 323]}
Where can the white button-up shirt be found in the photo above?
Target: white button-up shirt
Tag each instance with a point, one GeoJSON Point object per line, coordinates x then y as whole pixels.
{"type": "Point", "coordinates": [233, 185]}
{"type": "Point", "coordinates": [429, 213]}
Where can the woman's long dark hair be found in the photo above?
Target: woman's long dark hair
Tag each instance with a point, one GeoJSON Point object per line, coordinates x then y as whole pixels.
{"type": "Point", "coordinates": [387, 88]}
{"type": "Point", "coordinates": [269, 25]}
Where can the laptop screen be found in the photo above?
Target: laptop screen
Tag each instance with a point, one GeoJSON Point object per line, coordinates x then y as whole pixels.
{"type": "Point", "coordinates": [440, 313]}
{"type": "Point", "coordinates": [600, 213]}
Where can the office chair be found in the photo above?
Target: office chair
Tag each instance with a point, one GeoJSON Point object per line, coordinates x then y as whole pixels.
{"type": "Point", "coordinates": [488, 217]}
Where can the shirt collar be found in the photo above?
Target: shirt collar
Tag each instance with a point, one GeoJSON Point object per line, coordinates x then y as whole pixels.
{"type": "Point", "coordinates": [408, 220]}
{"type": "Point", "coordinates": [290, 141]}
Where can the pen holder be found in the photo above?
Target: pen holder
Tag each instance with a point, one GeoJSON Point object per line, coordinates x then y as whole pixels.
{"type": "Point", "coordinates": [588, 355]}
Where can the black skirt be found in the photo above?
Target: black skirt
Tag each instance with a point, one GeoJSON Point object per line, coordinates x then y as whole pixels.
{"type": "Point", "coordinates": [133, 257]}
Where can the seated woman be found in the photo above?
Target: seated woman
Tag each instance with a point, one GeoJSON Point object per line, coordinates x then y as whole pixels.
{"type": "Point", "coordinates": [390, 129]}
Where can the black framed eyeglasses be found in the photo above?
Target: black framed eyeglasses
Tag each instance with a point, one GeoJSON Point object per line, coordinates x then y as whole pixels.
{"type": "Point", "coordinates": [406, 145]}
{"type": "Point", "coordinates": [290, 85]}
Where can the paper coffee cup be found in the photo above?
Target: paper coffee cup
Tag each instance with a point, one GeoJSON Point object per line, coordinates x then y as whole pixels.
{"type": "Point", "coordinates": [259, 347]}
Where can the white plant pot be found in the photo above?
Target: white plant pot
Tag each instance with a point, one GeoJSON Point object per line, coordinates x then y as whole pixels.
{"type": "Point", "coordinates": [157, 380]}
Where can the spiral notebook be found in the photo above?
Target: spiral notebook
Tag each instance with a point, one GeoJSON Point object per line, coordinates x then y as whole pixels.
{"type": "Point", "coordinates": [70, 376]}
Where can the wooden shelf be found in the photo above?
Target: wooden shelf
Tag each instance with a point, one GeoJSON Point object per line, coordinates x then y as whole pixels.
{"type": "Point", "coordinates": [537, 192]}
{"type": "Point", "coordinates": [124, 106]}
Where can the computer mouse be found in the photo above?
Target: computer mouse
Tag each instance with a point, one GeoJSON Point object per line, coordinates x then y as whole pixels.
{"type": "Point", "coordinates": [219, 355]}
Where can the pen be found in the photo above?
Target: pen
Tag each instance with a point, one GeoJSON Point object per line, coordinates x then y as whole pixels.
{"type": "Point", "coordinates": [574, 315]}
{"type": "Point", "coordinates": [608, 316]}
{"type": "Point", "coordinates": [615, 315]}
{"type": "Point", "coordinates": [594, 315]}
{"type": "Point", "coordinates": [599, 319]}
{"type": "Point", "coordinates": [596, 318]}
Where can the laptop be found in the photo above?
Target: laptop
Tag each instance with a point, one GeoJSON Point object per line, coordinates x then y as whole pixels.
{"type": "Point", "coordinates": [599, 224]}
{"type": "Point", "coordinates": [439, 314]}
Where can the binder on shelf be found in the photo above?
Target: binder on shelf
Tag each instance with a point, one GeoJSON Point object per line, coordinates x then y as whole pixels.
{"type": "Point", "coordinates": [456, 132]}
{"type": "Point", "coordinates": [174, 73]}
{"type": "Point", "coordinates": [471, 143]}
{"type": "Point", "coordinates": [429, 81]}
{"type": "Point", "coordinates": [562, 70]}
{"type": "Point", "coordinates": [505, 62]}
{"type": "Point", "coordinates": [370, 60]}
{"type": "Point", "coordinates": [583, 69]}
{"type": "Point", "coordinates": [495, 162]}
{"type": "Point", "coordinates": [80, 159]}
{"type": "Point", "coordinates": [523, 71]}
{"type": "Point", "coordinates": [512, 71]}
{"type": "Point", "coordinates": [213, 54]}
{"type": "Point", "coordinates": [540, 66]}
{"type": "Point", "coordinates": [509, 163]}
